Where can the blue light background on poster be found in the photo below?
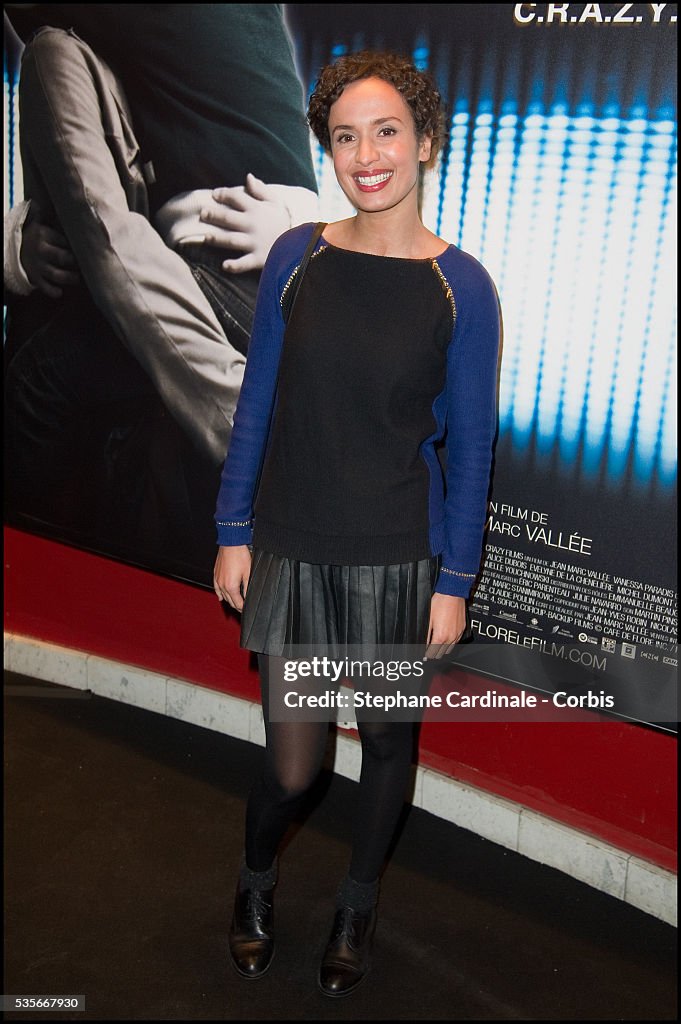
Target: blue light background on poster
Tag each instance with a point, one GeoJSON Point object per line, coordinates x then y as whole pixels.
{"type": "Point", "coordinates": [572, 209]}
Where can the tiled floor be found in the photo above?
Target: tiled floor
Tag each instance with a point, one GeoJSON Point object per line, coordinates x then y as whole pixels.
{"type": "Point", "coordinates": [122, 840]}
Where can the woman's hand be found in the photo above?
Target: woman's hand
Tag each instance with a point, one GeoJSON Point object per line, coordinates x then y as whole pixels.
{"type": "Point", "coordinates": [231, 574]}
{"type": "Point", "coordinates": [249, 218]}
{"type": "Point", "coordinates": [46, 258]}
{"type": "Point", "coordinates": [447, 624]}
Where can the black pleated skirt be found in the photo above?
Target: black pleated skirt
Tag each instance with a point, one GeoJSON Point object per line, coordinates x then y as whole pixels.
{"type": "Point", "coordinates": [292, 602]}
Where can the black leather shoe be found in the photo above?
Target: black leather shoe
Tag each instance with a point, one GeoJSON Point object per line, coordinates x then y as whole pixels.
{"type": "Point", "coordinates": [251, 936]}
{"type": "Point", "coordinates": [346, 960]}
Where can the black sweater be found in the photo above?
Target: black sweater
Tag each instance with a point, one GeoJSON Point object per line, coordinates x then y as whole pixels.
{"type": "Point", "coordinates": [344, 481]}
{"type": "Point", "coordinates": [371, 385]}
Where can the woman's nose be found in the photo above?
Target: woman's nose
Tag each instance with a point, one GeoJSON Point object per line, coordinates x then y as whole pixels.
{"type": "Point", "coordinates": [367, 151]}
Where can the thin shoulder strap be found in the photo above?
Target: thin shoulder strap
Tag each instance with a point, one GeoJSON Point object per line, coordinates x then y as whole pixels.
{"type": "Point", "coordinates": [286, 309]}
{"type": "Point", "coordinates": [287, 306]}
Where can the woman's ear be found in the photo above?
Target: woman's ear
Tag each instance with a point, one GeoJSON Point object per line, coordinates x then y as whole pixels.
{"type": "Point", "coordinates": [425, 146]}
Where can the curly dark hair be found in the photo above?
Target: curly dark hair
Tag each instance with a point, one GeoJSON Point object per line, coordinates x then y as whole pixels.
{"type": "Point", "coordinates": [417, 88]}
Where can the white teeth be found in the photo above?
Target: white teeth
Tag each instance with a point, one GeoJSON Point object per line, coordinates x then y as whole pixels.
{"type": "Point", "coordinates": [375, 179]}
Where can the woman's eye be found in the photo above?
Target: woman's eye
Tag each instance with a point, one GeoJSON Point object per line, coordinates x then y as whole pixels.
{"type": "Point", "coordinates": [343, 138]}
{"type": "Point", "coordinates": [387, 130]}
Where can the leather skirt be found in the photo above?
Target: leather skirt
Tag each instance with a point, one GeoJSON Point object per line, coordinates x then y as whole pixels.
{"type": "Point", "coordinates": [292, 602]}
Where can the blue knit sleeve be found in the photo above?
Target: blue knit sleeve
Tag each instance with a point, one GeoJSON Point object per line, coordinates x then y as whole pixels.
{"type": "Point", "coordinates": [472, 368]}
{"type": "Point", "coordinates": [234, 510]}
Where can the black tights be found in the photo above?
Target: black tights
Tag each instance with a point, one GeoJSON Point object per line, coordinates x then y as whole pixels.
{"type": "Point", "coordinates": [293, 758]}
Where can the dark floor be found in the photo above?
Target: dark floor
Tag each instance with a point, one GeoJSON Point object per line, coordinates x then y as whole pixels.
{"type": "Point", "coordinates": [123, 837]}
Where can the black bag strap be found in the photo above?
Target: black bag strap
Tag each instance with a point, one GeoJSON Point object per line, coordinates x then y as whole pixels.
{"type": "Point", "coordinates": [287, 305]}
{"type": "Point", "coordinates": [289, 299]}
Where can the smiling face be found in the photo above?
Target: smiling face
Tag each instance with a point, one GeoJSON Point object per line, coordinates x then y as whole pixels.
{"type": "Point", "coordinates": [376, 152]}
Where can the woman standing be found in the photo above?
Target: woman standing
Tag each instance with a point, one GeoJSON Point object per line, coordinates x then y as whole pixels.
{"type": "Point", "coordinates": [335, 521]}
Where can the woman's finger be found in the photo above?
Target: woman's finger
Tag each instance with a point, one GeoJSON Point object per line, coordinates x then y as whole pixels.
{"type": "Point", "coordinates": [60, 277]}
{"type": "Point", "coordinates": [241, 265]}
{"type": "Point", "coordinates": [223, 217]}
{"type": "Point", "coordinates": [51, 290]}
{"type": "Point", "coordinates": [223, 239]}
{"type": "Point", "coordinates": [54, 247]}
{"type": "Point", "coordinates": [255, 187]}
{"type": "Point", "coordinates": [234, 198]}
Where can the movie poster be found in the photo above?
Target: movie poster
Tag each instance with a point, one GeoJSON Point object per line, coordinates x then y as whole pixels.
{"type": "Point", "coordinates": [559, 175]}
